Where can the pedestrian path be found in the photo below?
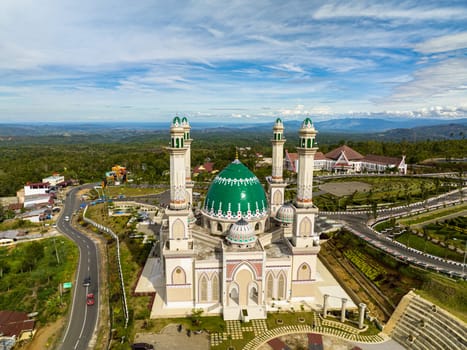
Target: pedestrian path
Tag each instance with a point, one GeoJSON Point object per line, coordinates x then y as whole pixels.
{"type": "Point", "coordinates": [319, 327]}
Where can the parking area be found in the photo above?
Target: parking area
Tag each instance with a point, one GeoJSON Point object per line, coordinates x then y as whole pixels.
{"type": "Point", "coordinates": [170, 338]}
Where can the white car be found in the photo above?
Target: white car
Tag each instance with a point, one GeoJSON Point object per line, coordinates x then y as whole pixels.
{"type": "Point", "coordinates": [67, 218]}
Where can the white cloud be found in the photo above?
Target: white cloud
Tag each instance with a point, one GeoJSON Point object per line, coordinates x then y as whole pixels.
{"type": "Point", "coordinates": [443, 43]}
{"type": "Point", "coordinates": [410, 10]}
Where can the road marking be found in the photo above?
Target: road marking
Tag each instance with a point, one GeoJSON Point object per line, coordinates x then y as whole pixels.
{"type": "Point", "coordinates": [84, 321]}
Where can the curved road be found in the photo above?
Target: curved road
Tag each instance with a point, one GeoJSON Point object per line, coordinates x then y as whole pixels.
{"type": "Point", "coordinates": [357, 224]}
{"type": "Point", "coordinates": [82, 318]}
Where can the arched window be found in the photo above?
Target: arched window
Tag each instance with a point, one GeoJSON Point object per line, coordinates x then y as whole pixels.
{"type": "Point", "coordinates": [203, 288]}
{"type": "Point", "coordinates": [219, 227]}
{"type": "Point", "coordinates": [305, 227]}
{"type": "Point", "coordinates": [178, 229]}
{"type": "Point", "coordinates": [304, 272]}
{"type": "Point", "coordinates": [281, 287]}
{"type": "Point", "coordinates": [257, 226]}
{"type": "Point", "coordinates": [178, 276]}
{"type": "Point", "coordinates": [277, 198]}
{"type": "Point", "coordinates": [215, 288]}
{"type": "Point", "coordinates": [269, 286]}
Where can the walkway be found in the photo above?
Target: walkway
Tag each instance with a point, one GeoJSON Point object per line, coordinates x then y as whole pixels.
{"type": "Point", "coordinates": [235, 330]}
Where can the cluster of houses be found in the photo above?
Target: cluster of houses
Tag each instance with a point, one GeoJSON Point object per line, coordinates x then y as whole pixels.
{"type": "Point", "coordinates": [36, 202]}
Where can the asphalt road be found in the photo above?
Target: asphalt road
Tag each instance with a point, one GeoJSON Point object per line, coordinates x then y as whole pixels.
{"type": "Point", "coordinates": [356, 223]}
{"type": "Point", "coordinates": [83, 318]}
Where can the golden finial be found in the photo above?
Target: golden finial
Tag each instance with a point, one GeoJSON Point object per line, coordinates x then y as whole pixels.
{"type": "Point", "coordinates": [236, 153]}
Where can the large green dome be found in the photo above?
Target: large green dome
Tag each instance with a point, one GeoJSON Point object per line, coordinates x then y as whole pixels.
{"type": "Point", "coordinates": [235, 193]}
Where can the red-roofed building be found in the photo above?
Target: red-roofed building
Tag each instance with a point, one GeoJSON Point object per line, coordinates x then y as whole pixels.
{"type": "Point", "coordinates": [346, 160]}
{"type": "Point", "coordinates": [16, 324]}
{"type": "Point", "coordinates": [207, 167]}
{"type": "Point", "coordinates": [350, 153]}
{"type": "Point", "coordinates": [291, 161]}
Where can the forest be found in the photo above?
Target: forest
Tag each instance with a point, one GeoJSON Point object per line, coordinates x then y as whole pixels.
{"type": "Point", "coordinates": [87, 157]}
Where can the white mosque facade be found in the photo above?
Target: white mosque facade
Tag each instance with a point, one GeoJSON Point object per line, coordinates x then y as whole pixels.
{"type": "Point", "coordinates": [247, 252]}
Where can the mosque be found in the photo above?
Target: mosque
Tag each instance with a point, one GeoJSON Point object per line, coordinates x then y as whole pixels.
{"type": "Point", "coordinates": [247, 252]}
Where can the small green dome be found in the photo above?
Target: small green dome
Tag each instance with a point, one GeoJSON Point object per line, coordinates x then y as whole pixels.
{"type": "Point", "coordinates": [176, 121]}
{"type": "Point", "coordinates": [307, 123]}
{"type": "Point", "coordinates": [278, 121]}
{"type": "Point", "coordinates": [285, 214]}
{"type": "Point", "coordinates": [241, 233]}
{"type": "Point", "coordinates": [235, 193]}
{"type": "Point", "coordinates": [184, 120]}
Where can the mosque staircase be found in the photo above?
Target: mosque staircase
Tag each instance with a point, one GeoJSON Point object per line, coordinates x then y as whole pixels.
{"type": "Point", "coordinates": [418, 324]}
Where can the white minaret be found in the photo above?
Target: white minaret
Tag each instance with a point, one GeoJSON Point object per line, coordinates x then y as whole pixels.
{"type": "Point", "coordinates": [306, 157]}
{"type": "Point", "coordinates": [276, 183]}
{"type": "Point", "coordinates": [179, 233]}
{"type": "Point", "coordinates": [187, 142]}
{"type": "Point", "coordinates": [177, 246]}
{"type": "Point", "coordinates": [177, 151]}
{"type": "Point", "coordinates": [305, 211]}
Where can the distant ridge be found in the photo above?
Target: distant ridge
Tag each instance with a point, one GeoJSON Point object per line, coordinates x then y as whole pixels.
{"type": "Point", "coordinates": [395, 129]}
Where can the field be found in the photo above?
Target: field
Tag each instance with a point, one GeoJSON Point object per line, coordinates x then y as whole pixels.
{"type": "Point", "coordinates": [342, 194]}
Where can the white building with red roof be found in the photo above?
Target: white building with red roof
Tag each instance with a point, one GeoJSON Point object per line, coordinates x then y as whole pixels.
{"type": "Point", "coordinates": [344, 159]}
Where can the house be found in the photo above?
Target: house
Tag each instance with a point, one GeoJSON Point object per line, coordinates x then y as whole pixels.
{"type": "Point", "coordinates": [54, 179]}
{"type": "Point", "coordinates": [16, 324]}
{"type": "Point", "coordinates": [207, 167]}
{"type": "Point", "coordinates": [346, 160]}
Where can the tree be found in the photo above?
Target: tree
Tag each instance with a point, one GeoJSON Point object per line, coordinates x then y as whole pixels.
{"type": "Point", "coordinates": [196, 316]}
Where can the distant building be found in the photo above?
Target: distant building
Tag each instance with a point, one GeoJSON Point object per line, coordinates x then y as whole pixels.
{"type": "Point", "coordinates": [54, 180]}
{"type": "Point", "coordinates": [117, 176]}
{"type": "Point", "coordinates": [207, 167]}
{"type": "Point", "coordinates": [346, 160]}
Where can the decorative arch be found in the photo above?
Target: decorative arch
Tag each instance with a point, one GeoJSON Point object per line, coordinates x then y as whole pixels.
{"type": "Point", "coordinates": [219, 227]}
{"type": "Point", "coordinates": [215, 287]}
{"type": "Point", "coordinates": [253, 293]}
{"type": "Point", "coordinates": [305, 227]}
{"type": "Point", "coordinates": [257, 226]}
{"type": "Point", "coordinates": [203, 288]}
{"type": "Point", "coordinates": [178, 275]}
{"type": "Point", "coordinates": [234, 294]}
{"type": "Point", "coordinates": [304, 272]}
{"type": "Point", "coordinates": [277, 198]}
{"type": "Point", "coordinates": [178, 229]}
{"type": "Point", "coordinates": [269, 285]}
{"type": "Point", "coordinates": [281, 289]}
{"type": "Point", "coordinates": [249, 266]}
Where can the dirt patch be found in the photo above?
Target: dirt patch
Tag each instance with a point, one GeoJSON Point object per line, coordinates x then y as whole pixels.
{"type": "Point", "coordinates": [344, 188]}
{"type": "Point", "coordinates": [46, 337]}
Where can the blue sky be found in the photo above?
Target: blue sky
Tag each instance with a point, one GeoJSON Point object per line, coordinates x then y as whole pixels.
{"type": "Point", "coordinates": [249, 61]}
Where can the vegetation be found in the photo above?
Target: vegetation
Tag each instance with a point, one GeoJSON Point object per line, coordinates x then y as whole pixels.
{"type": "Point", "coordinates": [400, 277]}
{"type": "Point", "coordinates": [32, 275]}
{"type": "Point", "coordinates": [144, 154]}
{"type": "Point", "coordinates": [384, 191]}
{"type": "Point", "coordinates": [133, 256]}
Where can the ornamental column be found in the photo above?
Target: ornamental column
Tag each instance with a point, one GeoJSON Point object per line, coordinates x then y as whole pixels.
{"type": "Point", "coordinates": [361, 316]}
{"type": "Point", "coordinates": [325, 305]}
{"type": "Point", "coordinates": [344, 301]}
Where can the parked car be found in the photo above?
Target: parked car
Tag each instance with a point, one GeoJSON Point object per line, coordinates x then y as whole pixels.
{"type": "Point", "coordinates": [90, 299]}
{"type": "Point", "coordinates": [142, 346]}
{"type": "Point", "coordinates": [67, 218]}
